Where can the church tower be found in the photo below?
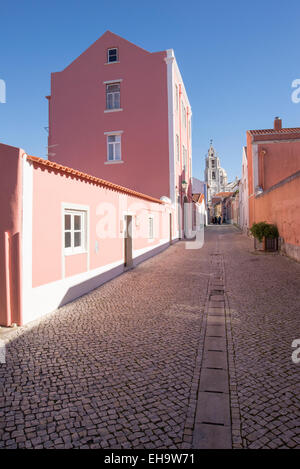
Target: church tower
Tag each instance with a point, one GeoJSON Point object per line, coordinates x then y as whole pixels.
{"type": "Point", "coordinates": [215, 175]}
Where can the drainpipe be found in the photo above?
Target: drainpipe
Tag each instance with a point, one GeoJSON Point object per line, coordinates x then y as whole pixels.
{"type": "Point", "coordinates": [261, 178]}
{"type": "Point", "coordinates": [180, 140]}
{"type": "Point", "coordinates": [188, 152]}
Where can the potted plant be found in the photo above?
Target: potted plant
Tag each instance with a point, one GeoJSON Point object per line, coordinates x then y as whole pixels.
{"type": "Point", "coordinates": [266, 234]}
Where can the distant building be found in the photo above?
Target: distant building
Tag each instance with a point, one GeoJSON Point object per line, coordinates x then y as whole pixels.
{"type": "Point", "coordinates": [215, 175]}
{"type": "Point", "coordinates": [199, 187]}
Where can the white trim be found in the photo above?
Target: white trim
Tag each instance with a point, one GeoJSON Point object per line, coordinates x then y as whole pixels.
{"type": "Point", "coordinates": [27, 220]}
{"type": "Point", "coordinates": [151, 217]}
{"type": "Point", "coordinates": [113, 161]}
{"type": "Point", "coordinates": [72, 250]}
{"type": "Point", "coordinates": [170, 51]}
{"type": "Point", "coordinates": [113, 144]}
{"type": "Point", "coordinates": [47, 298]}
{"type": "Point", "coordinates": [107, 56]}
{"type": "Point", "coordinates": [171, 121]}
{"type": "Point", "coordinates": [255, 167]}
{"type": "Point", "coordinates": [110, 63]}
{"type": "Point", "coordinates": [114, 132]}
{"type": "Point", "coordinates": [86, 250]}
{"type": "Point", "coordinates": [109, 82]}
{"type": "Point", "coordinates": [138, 252]}
{"type": "Point", "coordinates": [113, 110]}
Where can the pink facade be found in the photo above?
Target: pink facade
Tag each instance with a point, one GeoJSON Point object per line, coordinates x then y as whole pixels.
{"type": "Point", "coordinates": [117, 113]}
{"type": "Point", "coordinates": [139, 99]}
{"type": "Point", "coordinates": [10, 234]}
{"type": "Point", "coordinates": [42, 198]}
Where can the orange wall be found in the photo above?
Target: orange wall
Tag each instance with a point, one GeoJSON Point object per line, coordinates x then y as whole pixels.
{"type": "Point", "coordinates": [250, 179]}
{"type": "Point", "coordinates": [281, 160]}
{"type": "Point", "coordinates": [281, 206]}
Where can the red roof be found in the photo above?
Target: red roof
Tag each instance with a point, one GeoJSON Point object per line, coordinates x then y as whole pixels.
{"type": "Point", "coordinates": [281, 134]}
{"type": "Point", "coordinates": [198, 198]}
{"type": "Point", "coordinates": [93, 179]}
{"type": "Point", "coordinates": [224, 194]}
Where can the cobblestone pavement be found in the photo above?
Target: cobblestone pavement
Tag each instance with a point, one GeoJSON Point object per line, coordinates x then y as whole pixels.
{"type": "Point", "coordinates": [114, 369]}
{"type": "Point", "coordinates": [120, 367]}
{"type": "Point", "coordinates": [263, 292]}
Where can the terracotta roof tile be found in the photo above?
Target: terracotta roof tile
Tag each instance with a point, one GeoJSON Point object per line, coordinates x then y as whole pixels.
{"type": "Point", "coordinates": [198, 198]}
{"type": "Point", "coordinates": [264, 134]}
{"type": "Point", "coordinates": [87, 177]}
{"type": "Point", "coordinates": [223, 194]}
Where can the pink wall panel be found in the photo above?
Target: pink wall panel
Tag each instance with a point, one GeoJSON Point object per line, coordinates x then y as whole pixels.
{"type": "Point", "coordinates": [75, 264]}
{"type": "Point", "coordinates": [281, 160]}
{"type": "Point", "coordinates": [78, 120]}
{"type": "Point", "coordinates": [10, 231]}
{"type": "Point", "coordinates": [106, 207]}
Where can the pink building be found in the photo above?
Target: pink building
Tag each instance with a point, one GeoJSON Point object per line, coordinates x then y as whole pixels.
{"type": "Point", "coordinates": [64, 233]}
{"type": "Point", "coordinates": [122, 114]}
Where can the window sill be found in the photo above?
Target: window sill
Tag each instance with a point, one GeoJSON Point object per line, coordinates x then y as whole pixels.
{"type": "Point", "coordinates": [110, 63]}
{"type": "Point", "coordinates": [67, 254]}
{"type": "Point", "coordinates": [113, 162]}
{"type": "Point", "coordinates": [113, 110]}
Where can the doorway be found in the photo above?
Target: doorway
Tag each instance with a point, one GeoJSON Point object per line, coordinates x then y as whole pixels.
{"type": "Point", "coordinates": [128, 242]}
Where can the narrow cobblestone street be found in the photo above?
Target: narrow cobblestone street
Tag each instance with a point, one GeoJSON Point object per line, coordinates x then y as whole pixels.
{"type": "Point", "coordinates": [133, 363]}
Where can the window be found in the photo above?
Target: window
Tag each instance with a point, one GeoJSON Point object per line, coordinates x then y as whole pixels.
{"type": "Point", "coordinates": [184, 153]}
{"type": "Point", "coordinates": [151, 228]}
{"type": "Point", "coordinates": [74, 231]}
{"type": "Point", "coordinates": [177, 148]}
{"type": "Point", "coordinates": [113, 96]}
{"type": "Point", "coordinates": [112, 55]}
{"type": "Point", "coordinates": [183, 115]}
{"type": "Point", "coordinates": [212, 163]}
{"type": "Point", "coordinates": [213, 175]}
{"type": "Point", "coordinates": [114, 147]}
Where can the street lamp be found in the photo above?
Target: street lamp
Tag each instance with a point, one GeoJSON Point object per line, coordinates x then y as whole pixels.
{"type": "Point", "coordinates": [184, 185]}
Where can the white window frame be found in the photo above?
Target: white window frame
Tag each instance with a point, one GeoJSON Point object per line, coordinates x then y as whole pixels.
{"type": "Point", "coordinates": [150, 227]}
{"type": "Point", "coordinates": [177, 148]}
{"type": "Point", "coordinates": [184, 155]}
{"type": "Point", "coordinates": [114, 95]}
{"type": "Point", "coordinates": [183, 117]}
{"type": "Point", "coordinates": [114, 134]}
{"type": "Point", "coordinates": [112, 61]}
{"type": "Point", "coordinates": [83, 230]}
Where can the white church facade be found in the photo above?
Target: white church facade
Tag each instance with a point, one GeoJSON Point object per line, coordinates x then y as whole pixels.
{"type": "Point", "coordinates": [215, 175]}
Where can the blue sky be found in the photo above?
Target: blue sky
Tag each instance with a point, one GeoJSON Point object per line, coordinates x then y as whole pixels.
{"type": "Point", "coordinates": [238, 60]}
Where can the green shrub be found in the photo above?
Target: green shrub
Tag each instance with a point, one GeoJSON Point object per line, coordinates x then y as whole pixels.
{"type": "Point", "coordinates": [263, 229]}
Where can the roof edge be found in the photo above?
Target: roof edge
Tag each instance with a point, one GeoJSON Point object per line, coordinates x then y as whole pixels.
{"type": "Point", "coordinates": [87, 177]}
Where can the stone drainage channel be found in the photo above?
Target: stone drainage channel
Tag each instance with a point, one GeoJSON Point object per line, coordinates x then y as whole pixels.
{"type": "Point", "coordinates": [212, 424]}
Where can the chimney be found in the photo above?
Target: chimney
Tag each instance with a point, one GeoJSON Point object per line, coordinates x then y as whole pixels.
{"type": "Point", "coordinates": [277, 123]}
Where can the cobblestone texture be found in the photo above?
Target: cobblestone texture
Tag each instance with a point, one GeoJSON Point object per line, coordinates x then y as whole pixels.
{"type": "Point", "coordinates": [263, 293]}
{"type": "Point", "coordinates": [114, 369]}
{"type": "Point", "coordinates": [120, 367]}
